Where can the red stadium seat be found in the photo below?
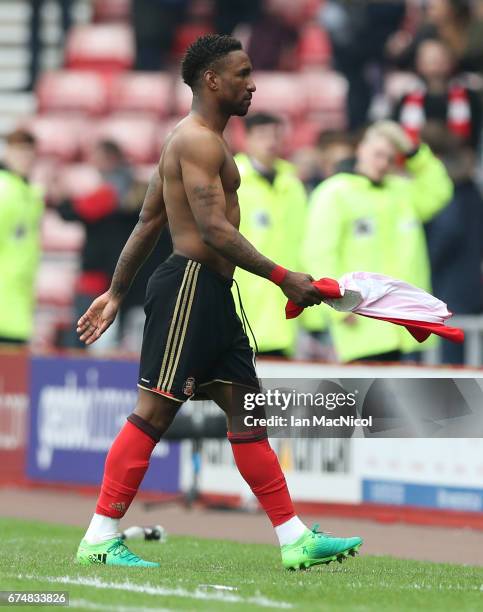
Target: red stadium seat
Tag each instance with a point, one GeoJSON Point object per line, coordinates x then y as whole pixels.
{"type": "Point", "coordinates": [68, 90]}
{"type": "Point", "coordinates": [314, 48]}
{"type": "Point", "coordinates": [79, 179]}
{"type": "Point", "coordinates": [142, 91]}
{"type": "Point", "coordinates": [183, 97]}
{"type": "Point", "coordinates": [44, 173]}
{"type": "Point", "coordinates": [60, 235]}
{"type": "Point", "coordinates": [112, 10]}
{"type": "Point", "coordinates": [164, 128]}
{"type": "Point", "coordinates": [57, 135]}
{"type": "Point", "coordinates": [56, 283]}
{"type": "Point", "coordinates": [100, 47]}
{"type": "Point", "coordinates": [144, 172]}
{"type": "Point", "coordinates": [235, 134]}
{"type": "Point", "coordinates": [186, 34]}
{"type": "Point", "coordinates": [137, 137]}
{"type": "Point", "coordinates": [324, 91]}
{"type": "Point", "coordinates": [305, 133]}
{"type": "Point", "coordinates": [278, 92]}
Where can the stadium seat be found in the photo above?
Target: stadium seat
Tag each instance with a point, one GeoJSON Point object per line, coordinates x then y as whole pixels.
{"type": "Point", "coordinates": [112, 10]}
{"type": "Point", "coordinates": [145, 92]}
{"type": "Point", "coordinates": [56, 283]}
{"type": "Point", "coordinates": [57, 135]}
{"type": "Point", "coordinates": [278, 92]}
{"type": "Point", "coordinates": [324, 90]}
{"type": "Point", "coordinates": [305, 133]}
{"type": "Point", "coordinates": [136, 135]}
{"type": "Point", "coordinates": [182, 98]}
{"type": "Point", "coordinates": [164, 128]}
{"type": "Point", "coordinates": [72, 90]}
{"type": "Point", "coordinates": [314, 48]}
{"type": "Point", "coordinates": [144, 172]}
{"type": "Point", "coordinates": [100, 47]}
{"type": "Point", "coordinates": [79, 179]}
{"type": "Point", "coordinates": [59, 235]}
{"type": "Point", "coordinates": [235, 134]}
{"type": "Point", "coordinates": [44, 173]}
{"type": "Point", "coordinates": [187, 33]}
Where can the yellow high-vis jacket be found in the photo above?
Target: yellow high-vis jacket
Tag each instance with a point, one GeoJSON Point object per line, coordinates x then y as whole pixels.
{"type": "Point", "coordinates": [356, 225]}
{"type": "Point", "coordinates": [273, 220]}
{"type": "Point", "coordinates": [21, 209]}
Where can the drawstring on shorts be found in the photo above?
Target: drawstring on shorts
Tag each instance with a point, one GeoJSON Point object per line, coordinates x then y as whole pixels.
{"type": "Point", "coordinates": [245, 321]}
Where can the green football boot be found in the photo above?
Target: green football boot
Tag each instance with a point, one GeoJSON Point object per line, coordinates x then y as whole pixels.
{"type": "Point", "coordinates": [316, 547]}
{"type": "Point", "coordinates": [111, 552]}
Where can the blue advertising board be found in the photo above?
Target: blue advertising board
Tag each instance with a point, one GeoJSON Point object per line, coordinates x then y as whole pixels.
{"type": "Point", "coordinates": [440, 497]}
{"type": "Point", "coordinates": [78, 405]}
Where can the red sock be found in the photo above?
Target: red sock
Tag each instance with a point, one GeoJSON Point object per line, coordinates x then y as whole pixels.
{"type": "Point", "coordinates": [126, 464]}
{"type": "Point", "coordinates": [259, 466]}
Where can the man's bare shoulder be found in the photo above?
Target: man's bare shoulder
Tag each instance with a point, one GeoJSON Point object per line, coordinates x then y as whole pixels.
{"type": "Point", "coordinates": [194, 141]}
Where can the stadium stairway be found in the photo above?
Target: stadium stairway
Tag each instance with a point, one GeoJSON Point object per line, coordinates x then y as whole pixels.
{"type": "Point", "coordinates": [15, 105]}
{"type": "Point", "coordinates": [15, 55]}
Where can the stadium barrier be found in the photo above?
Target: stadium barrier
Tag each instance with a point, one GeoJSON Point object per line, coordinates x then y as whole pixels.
{"type": "Point", "coordinates": [14, 401]}
{"type": "Point", "coordinates": [77, 404]}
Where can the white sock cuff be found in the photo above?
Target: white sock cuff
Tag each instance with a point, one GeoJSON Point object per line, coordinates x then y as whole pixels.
{"type": "Point", "coordinates": [290, 531]}
{"type": "Point", "coordinates": [102, 528]}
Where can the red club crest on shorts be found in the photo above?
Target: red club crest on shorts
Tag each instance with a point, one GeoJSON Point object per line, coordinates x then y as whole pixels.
{"type": "Point", "coordinates": [189, 386]}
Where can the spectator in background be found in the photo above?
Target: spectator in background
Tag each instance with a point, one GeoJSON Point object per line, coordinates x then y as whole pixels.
{"type": "Point", "coordinates": [455, 235]}
{"type": "Point", "coordinates": [315, 164]}
{"type": "Point", "coordinates": [155, 23]}
{"type": "Point", "coordinates": [336, 147]}
{"type": "Point", "coordinates": [101, 214]}
{"type": "Point", "coordinates": [21, 209]}
{"type": "Point", "coordinates": [65, 7]}
{"type": "Point", "coordinates": [307, 163]}
{"type": "Point", "coordinates": [272, 209]}
{"type": "Point", "coordinates": [372, 220]}
{"type": "Point", "coordinates": [440, 97]}
{"type": "Point", "coordinates": [336, 150]}
{"type": "Point", "coordinates": [452, 22]}
{"type": "Point", "coordinates": [229, 15]}
{"type": "Point", "coordinates": [359, 32]}
{"type": "Point", "coordinates": [273, 40]}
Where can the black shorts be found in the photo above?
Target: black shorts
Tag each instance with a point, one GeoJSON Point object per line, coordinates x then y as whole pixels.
{"type": "Point", "coordinates": [192, 335]}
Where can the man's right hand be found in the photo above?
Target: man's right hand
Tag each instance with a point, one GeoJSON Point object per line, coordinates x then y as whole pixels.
{"type": "Point", "coordinates": [98, 317]}
{"type": "Point", "coordinates": [298, 288]}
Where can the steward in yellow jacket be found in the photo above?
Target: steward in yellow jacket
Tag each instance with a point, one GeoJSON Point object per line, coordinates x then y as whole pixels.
{"type": "Point", "coordinates": [371, 220]}
{"type": "Point", "coordinates": [272, 208]}
{"type": "Point", "coordinates": [21, 209]}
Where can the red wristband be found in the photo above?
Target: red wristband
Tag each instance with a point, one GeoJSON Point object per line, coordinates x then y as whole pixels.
{"type": "Point", "coordinates": [278, 274]}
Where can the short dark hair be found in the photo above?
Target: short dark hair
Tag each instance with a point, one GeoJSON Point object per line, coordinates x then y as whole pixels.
{"type": "Point", "coordinates": [261, 118]}
{"type": "Point", "coordinates": [327, 138]}
{"type": "Point", "coordinates": [461, 9]}
{"type": "Point", "coordinates": [111, 148]}
{"type": "Point", "coordinates": [203, 53]}
{"type": "Point", "coordinates": [21, 136]}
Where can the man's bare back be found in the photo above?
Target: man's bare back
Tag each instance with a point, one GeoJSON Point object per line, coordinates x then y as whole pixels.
{"type": "Point", "coordinates": [173, 170]}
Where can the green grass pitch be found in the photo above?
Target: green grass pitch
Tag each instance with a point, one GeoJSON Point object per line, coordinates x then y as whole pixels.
{"type": "Point", "coordinates": [39, 556]}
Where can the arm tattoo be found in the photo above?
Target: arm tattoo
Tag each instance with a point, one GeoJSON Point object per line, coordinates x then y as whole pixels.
{"type": "Point", "coordinates": [138, 247]}
{"type": "Point", "coordinates": [229, 242]}
{"type": "Point", "coordinates": [206, 196]}
{"type": "Point", "coordinates": [236, 248]}
{"type": "Point", "coordinates": [133, 255]}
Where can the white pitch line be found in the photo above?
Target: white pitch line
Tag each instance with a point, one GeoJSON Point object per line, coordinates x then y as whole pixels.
{"type": "Point", "coordinates": [90, 605]}
{"type": "Point", "coordinates": [148, 589]}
